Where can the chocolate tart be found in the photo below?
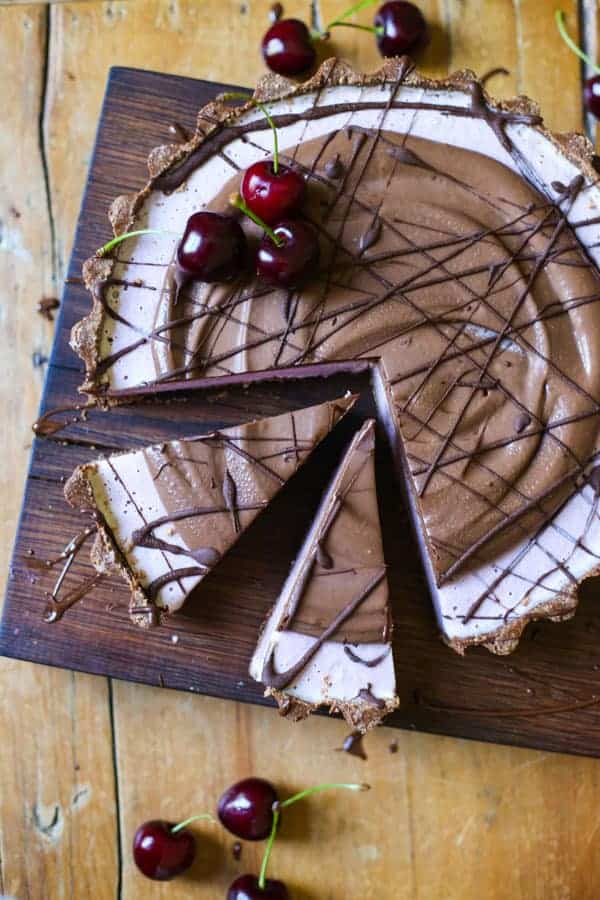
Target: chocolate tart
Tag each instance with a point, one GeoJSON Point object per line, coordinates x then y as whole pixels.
{"type": "Point", "coordinates": [168, 513]}
{"type": "Point", "coordinates": [459, 245]}
{"type": "Point", "coordinates": [327, 641]}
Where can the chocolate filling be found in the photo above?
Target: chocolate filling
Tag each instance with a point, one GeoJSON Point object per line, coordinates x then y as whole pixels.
{"type": "Point", "coordinates": [468, 286]}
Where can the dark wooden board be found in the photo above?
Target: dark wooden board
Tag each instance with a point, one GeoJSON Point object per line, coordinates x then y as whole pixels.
{"type": "Point", "coordinates": [547, 694]}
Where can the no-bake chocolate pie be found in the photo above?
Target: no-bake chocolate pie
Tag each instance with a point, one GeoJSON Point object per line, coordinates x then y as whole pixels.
{"type": "Point", "coordinates": [327, 640]}
{"type": "Point", "coordinates": [168, 513]}
{"type": "Point", "coordinates": [459, 252]}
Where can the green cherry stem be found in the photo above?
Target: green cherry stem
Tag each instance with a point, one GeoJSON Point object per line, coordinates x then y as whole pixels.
{"type": "Point", "coordinates": [267, 854]}
{"type": "Point", "coordinates": [181, 825]}
{"type": "Point", "coordinates": [559, 17]}
{"type": "Point", "coordinates": [277, 807]}
{"type": "Point", "coordinates": [319, 788]}
{"type": "Point", "coordinates": [236, 95]}
{"type": "Point", "coordinates": [370, 28]}
{"type": "Point", "coordinates": [340, 21]}
{"type": "Point", "coordinates": [128, 234]}
{"type": "Point", "coordinates": [236, 200]}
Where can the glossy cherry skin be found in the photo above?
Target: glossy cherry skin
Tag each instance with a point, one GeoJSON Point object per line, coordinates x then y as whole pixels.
{"type": "Point", "coordinates": [246, 888]}
{"type": "Point", "coordinates": [161, 855]}
{"type": "Point", "coordinates": [246, 808]}
{"type": "Point", "coordinates": [295, 260]}
{"type": "Point", "coordinates": [287, 47]}
{"type": "Point", "coordinates": [213, 248]}
{"type": "Point", "coordinates": [272, 196]}
{"type": "Point", "coordinates": [404, 28]}
{"type": "Point", "coordinates": [591, 95]}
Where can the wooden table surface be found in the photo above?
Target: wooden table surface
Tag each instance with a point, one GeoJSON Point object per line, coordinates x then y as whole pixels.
{"type": "Point", "coordinates": [84, 760]}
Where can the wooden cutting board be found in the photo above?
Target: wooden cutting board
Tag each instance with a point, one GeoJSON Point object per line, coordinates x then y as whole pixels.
{"type": "Point", "coordinates": [546, 694]}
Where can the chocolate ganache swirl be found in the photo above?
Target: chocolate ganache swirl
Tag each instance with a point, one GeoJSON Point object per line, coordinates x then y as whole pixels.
{"type": "Point", "coordinates": [460, 275]}
{"type": "Point", "coordinates": [457, 275]}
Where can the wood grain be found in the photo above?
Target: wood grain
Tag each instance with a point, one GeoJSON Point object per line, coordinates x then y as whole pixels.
{"type": "Point", "coordinates": [56, 775]}
{"type": "Point", "coordinates": [453, 819]}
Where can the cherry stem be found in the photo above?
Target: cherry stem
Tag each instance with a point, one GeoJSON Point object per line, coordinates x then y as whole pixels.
{"type": "Point", "coordinates": [370, 28]}
{"type": "Point", "coordinates": [322, 787]}
{"type": "Point", "coordinates": [236, 95]}
{"type": "Point", "coordinates": [267, 854]}
{"type": "Point", "coordinates": [562, 29]}
{"type": "Point", "coordinates": [294, 799]}
{"type": "Point", "coordinates": [181, 825]}
{"type": "Point", "coordinates": [128, 234]}
{"type": "Point", "coordinates": [341, 20]}
{"type": "Point", "coordinates": [237, 201]}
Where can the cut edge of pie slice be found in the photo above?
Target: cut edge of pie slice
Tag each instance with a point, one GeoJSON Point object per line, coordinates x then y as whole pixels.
{"type": "Point", "coordinates": [327, 640]}
{"type": "Point", "coordinates": [500, 639]}
{"type": "Point", "coordinates": [166, 514]}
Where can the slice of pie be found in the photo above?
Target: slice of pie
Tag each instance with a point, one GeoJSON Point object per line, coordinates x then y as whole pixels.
{"type": "Point", "coordinates": [327, 640]}
{"type": "Point", "coordinates": [459, 260]}
{"type": "Point", "coordinates": [168, 513]}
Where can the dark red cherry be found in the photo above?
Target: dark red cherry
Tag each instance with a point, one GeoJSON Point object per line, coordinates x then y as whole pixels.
{"type": "Point", "coordinates": [404, 28]}
{"type": "Point", "coordinates": [295, 260]}
{"type": "Point", "coordinates": [591, 95]}
{"type": "Point", "coordinates": [246, 808]}
{"type": "Point", "coordinates": [272, 196]}
{"type": "Point", "coordinates": [246, 888]}
{"type": "Point", "coordinates": [161, 855]}
{"type": "Point", "coordinates": [213, 248]}
{"type": "Point", "coordinates": [287, 47]}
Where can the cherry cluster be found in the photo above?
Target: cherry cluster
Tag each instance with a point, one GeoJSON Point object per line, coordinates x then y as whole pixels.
{"type": "Point", "coordinates": [289, 46]}
{"type": "Point", "coordinates": [250, 810]}
{"type": "Point", "coordinates": [214, 246]}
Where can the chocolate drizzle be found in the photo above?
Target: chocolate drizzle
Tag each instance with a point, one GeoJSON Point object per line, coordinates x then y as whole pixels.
{"type": "Point", "coordinates": [369, 663]}
{"type": "Point", "coordinates": [57, 606]}
{"type": "Point", "coordinates": [500, 279]}
{"type": "Point", "coordinates": [230, 497]}
{"type": "Point", "coordinates": [45, 427]}
{"type": "Point", "coordinates": [491, 73]}
{"type": "Point", "coordinates": [370, 237]}
{"type": "Point", "coordinates": [175, 575]}
{"type": "Point", "coordinates": [280, 680]}
{"type": "Point", "coordinates": [224, 133]}
{"type": "Point", "coordinates": [143, 536]}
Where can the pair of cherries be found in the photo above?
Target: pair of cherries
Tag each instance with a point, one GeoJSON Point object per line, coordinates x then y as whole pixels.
{"type": "Point", "coordinates": [288, 47]}
{"type": "Point", "coordinates": [249, 809]}
{"type": "Point", "coordinates": [214, 245]}
{"type": "Point", "coordinates": [162, 850]}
